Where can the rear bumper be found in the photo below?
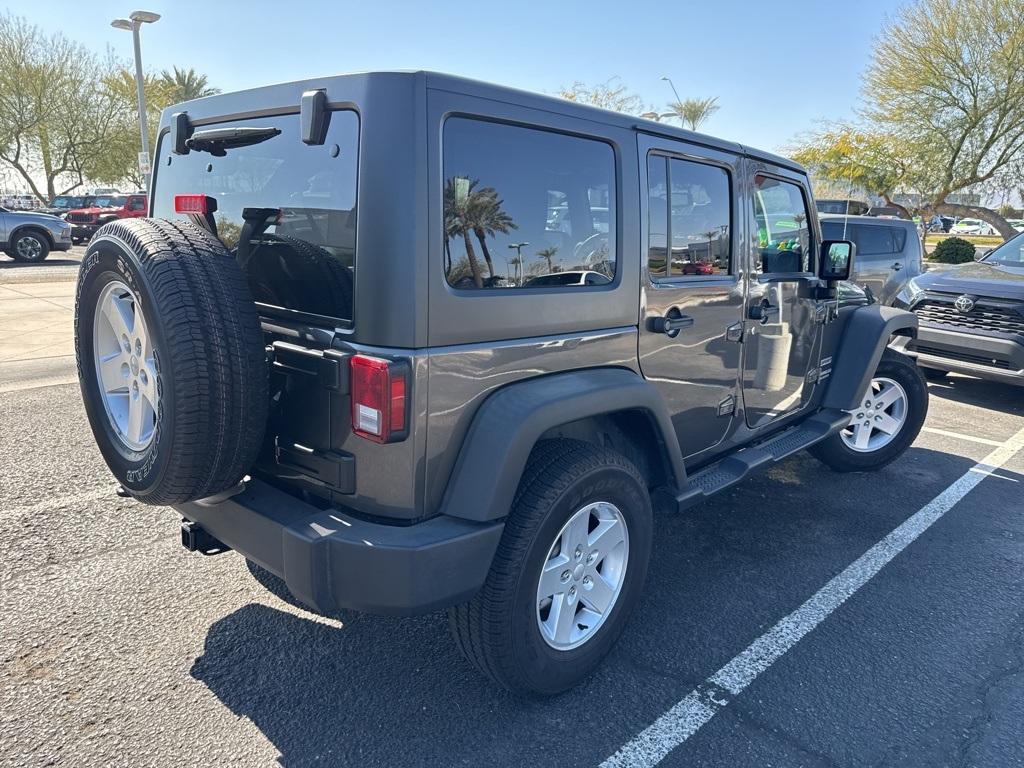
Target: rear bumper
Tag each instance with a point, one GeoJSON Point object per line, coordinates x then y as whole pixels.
{"type": "Point", "coordinates": [987, 357]}
{"type": "Point", "coordinates": [330, 560]}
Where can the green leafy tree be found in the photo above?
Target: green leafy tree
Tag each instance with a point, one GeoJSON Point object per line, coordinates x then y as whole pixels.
{"type": "Point", "coordinates": [54, 125]}
{"type": "Point", "coordinates": [958, 98]}
{"type": "Point", "coordinates": [611, 94]}
{"type": "Point", "coordinates": [944, 96]}
{"type": "Point", "coordinates": [854, 158]}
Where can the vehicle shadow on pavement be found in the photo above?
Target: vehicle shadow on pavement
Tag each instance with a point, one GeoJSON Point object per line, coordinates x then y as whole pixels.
{"type": "Point", "coordinates": [388, 691]}
{"type": "Point", "coordinates": [7, 263]}
{"type": "Point", "coordinates": [984, 394]}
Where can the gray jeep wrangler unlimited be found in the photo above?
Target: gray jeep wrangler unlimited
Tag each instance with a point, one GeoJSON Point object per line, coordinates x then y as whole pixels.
{"type": "Point", "coordinates": [413, 342]}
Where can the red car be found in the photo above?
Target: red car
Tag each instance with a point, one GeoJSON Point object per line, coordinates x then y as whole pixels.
{"type": "Point", "coordinates": [85, 221]}
{"type": "Point", "coordinates": [698, 268]}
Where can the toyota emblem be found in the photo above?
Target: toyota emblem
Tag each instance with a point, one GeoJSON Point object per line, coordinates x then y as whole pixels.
{"type": "Point", "coordinates": [964, 304]}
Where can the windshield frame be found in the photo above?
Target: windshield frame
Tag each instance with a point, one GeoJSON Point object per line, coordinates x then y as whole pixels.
{"type": "Point", "coordinates": [1018, 263]}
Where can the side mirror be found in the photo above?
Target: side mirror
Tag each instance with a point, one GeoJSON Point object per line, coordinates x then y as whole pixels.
{"type": "Point", "coordinates": [836, 261]}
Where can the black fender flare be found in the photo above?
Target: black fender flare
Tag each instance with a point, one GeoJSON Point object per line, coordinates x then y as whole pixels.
{"type": "Point", "coordinates": [509, 422]}
{"type": "Point", "coordinates": [866, 335]}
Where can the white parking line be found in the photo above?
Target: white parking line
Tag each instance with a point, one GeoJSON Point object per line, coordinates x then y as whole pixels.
{"type": "Point", "coordinates": [961, 436]}
{"type": "Point", "coordinates": [684, 719]}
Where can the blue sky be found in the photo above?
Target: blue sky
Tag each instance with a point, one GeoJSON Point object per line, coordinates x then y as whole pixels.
{"type": "Point", "coordinates": [777, 68]}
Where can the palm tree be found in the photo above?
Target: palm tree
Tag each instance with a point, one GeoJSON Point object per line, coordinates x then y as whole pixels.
{"type": "Point", "coordinates": [186, 84]}
{"type": "Point", "coordinates": [548, 254]}
{"type": "Point", "coordinates": [489, 219]}
{"type": "Point", "coordinates": [460, 210]}
{"type": "Point", "coordinates": [692, 113]}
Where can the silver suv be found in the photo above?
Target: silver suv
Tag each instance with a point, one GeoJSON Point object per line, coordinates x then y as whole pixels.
{"type": "Point", "coordinates": [29, 236]}
{"type": "Point", "coordinates": [889, 251]}
{"type": "Point", "coordinates": [344, 349]}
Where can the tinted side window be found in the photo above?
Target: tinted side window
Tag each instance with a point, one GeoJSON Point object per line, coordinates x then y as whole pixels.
{"type": "Point", "coordinates": [525, 208]}
{"type": "Point", "coordinates": [872, 240]}
{"type": "Point", "coordinates": [783, 235]}
{"type": "Point", "coordinates": [692, 212]}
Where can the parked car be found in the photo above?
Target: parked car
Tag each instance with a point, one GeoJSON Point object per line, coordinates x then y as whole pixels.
{"type": "Point", "coordinates": [971, 316]}
{"type": "Point", "coordinates": [1017, 224]}
{"type": "Point", "coordinates": [569, 277]}
{"type": "Point", "coordinates": [848, 207]}
{"type": "Point", "coordinates": [247, 359]}
{"type": "Point", "coordinates": [61, 204]}
{"type": "Point", "coordinates": [29, 236]}
{"type": "Point", "coordinates": [105, 208]}
{"type": "Point", "coordinates": [972, 227]}
{"type": "Point", "coordinates": [889, 251]}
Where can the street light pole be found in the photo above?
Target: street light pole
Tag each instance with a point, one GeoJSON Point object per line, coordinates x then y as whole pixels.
{"type": "Point", "coordinates": [134, 23]}
{"type": "Point", "coordinates": [668, 80]}
{"type": "Point", "coordinates": [518, 247]}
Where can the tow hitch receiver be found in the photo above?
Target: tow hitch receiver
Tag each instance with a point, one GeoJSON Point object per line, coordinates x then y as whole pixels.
{"type": "Point", "coordinates": [195, 538]}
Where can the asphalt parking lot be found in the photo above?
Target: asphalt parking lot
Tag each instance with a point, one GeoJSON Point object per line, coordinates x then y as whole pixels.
{"type": "Point", "coordinates": [119, 648]}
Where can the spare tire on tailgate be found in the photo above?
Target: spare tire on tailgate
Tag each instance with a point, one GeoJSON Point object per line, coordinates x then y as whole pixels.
{"type": "Point", "coordinates": [171, 360]}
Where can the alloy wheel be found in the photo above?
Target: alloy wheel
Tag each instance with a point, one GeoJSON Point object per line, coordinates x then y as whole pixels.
{"type": "Point", "coordinates": [878, 418]}
{"type": "Point", "coordinates": [582, 575]}
{"type": "Point", "coordinates": [125, 366]}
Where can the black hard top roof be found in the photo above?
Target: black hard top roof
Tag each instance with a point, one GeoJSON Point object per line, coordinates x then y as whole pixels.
{"type": "Point", "coordinates": [241, 103]}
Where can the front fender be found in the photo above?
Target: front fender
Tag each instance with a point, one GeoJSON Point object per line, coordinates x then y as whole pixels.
{"type": "Point", "coordinates": [867, 334]}
{"type": "Point", "coordinates": [509, 422]}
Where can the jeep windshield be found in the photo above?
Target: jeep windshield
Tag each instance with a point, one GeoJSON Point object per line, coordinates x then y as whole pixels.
{"type": "Point", "coordinates": [108, 201]}
{"type": "Point", "coordinates": [68, 202]}
{"type": "Point", "coordinates": [285, 210]}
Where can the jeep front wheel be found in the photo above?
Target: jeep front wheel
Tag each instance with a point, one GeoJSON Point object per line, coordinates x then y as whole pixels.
{"type": "Point", "coordinates": [568, 571]}
{"type": "Point", "coordinates": [885, 422]}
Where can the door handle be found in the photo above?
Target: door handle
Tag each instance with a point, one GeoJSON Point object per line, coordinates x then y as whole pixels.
{"type": "Point", "coordinates": [763, 312]}
{"type": "Point", "coordinates": [671, 325]}
{"type": "Point", "coordinates": [897, 266]}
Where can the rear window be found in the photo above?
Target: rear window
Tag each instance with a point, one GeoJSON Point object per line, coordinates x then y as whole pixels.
{"type": "Point", "coordinates": [526, 208]}
{"type": "Point", "coordinates": [870, 239]}
{"type": "Point", "coordinates": [285, 210]}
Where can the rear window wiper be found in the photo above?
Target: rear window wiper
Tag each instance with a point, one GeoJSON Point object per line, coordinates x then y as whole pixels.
{"type": "Point", "coordinates": [217, 141]}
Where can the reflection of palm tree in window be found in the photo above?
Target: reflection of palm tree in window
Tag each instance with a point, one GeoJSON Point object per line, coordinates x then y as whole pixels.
{"type": "Point", "coordinates": [469, 211]}
{"type": "Point", "coordinates": [548, 254]}
{"type": "Point", "coordinates": [489, 220]}
{"type": "Point", "coordinates": [710, 235]}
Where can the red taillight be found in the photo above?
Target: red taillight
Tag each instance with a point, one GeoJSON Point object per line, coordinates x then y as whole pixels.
{"type": "Point", "coordinates": [378, 392]}
{"type": "Point", "coordinates": [199, 204]}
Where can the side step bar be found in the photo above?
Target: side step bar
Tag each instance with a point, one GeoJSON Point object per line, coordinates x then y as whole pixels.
{"type": "Point", "coordinates": [734, 468]}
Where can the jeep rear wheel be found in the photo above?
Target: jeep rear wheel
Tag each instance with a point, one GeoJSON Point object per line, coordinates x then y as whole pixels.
{"type": "Point", "coordinates": [170, 360]}
{"type": "Point", "coordinates": [568, 571]}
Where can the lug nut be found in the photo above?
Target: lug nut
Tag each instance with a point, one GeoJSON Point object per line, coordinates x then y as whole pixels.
{"type": "Point", "coordinates": [592, 557]}
{"type": "Point", "coordinates": [579, 553]}
{"type": "Point", "coordinates": [566, 575]}
{"type": "Point", "coordinates": [587, 582]}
